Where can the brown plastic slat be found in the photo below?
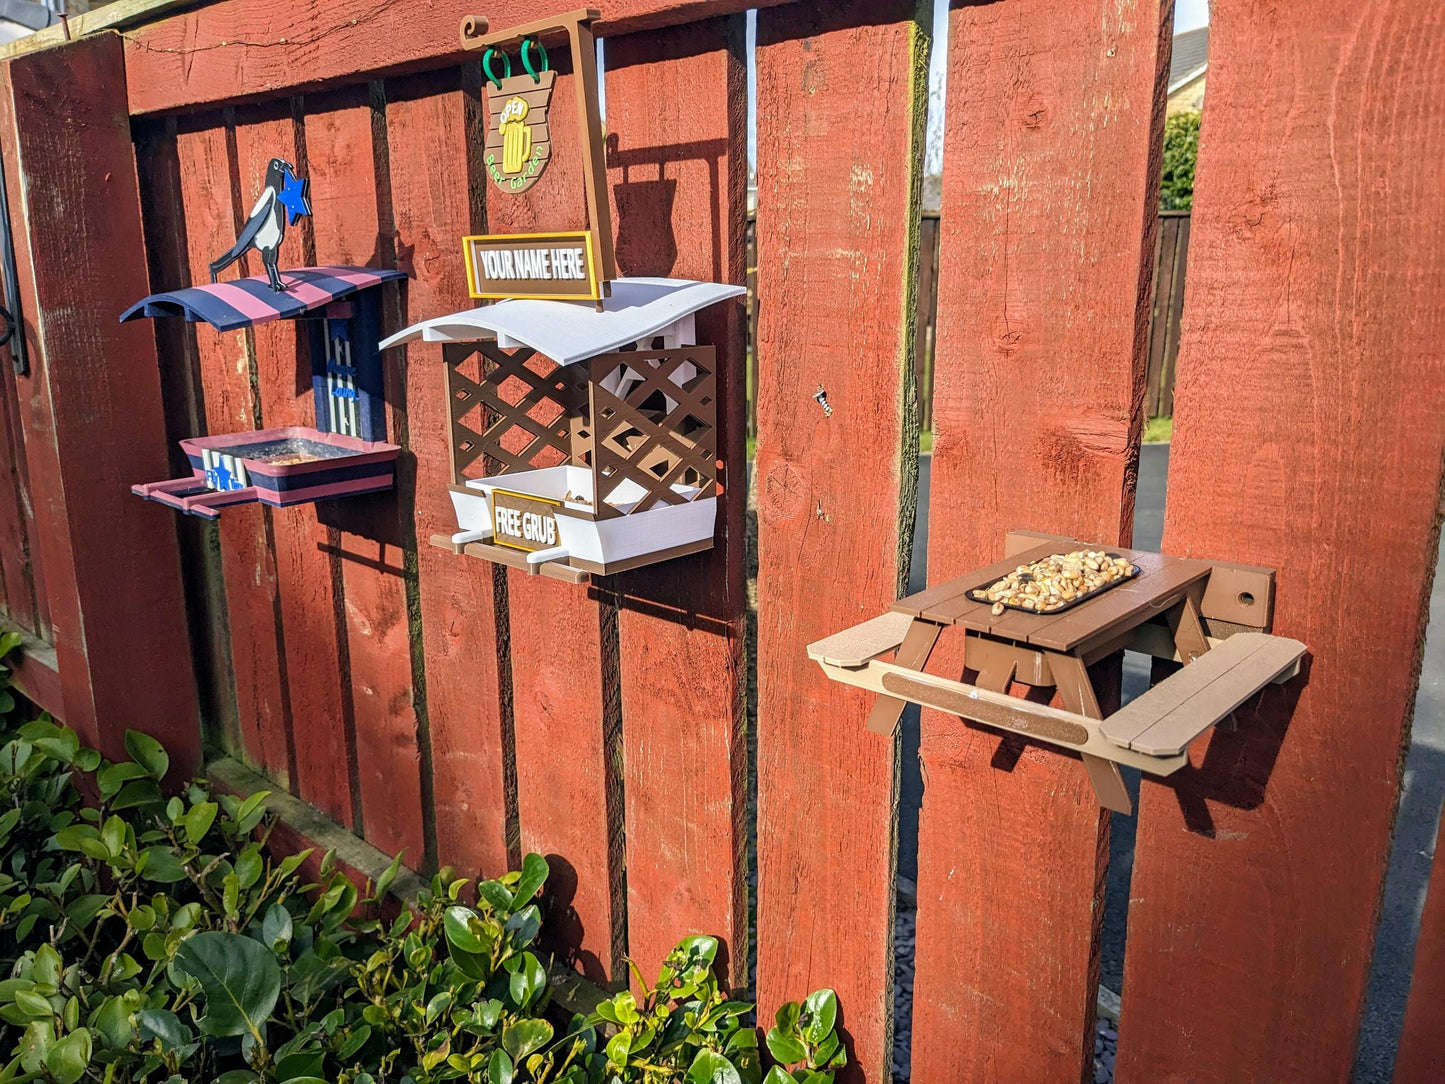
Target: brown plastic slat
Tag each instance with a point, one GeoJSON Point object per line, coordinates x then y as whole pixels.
{"type": "Point", "coordinates": [1173, 733]}
{"type": "Point", "coordinates": [1172, 714]}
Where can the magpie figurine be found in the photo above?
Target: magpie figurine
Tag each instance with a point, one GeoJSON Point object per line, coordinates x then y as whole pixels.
{"type": "Point", "coordinates": [284, 197]}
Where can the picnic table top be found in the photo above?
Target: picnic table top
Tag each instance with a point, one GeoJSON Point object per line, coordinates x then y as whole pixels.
{"type": "Point", "coordinates": [1160, 584]}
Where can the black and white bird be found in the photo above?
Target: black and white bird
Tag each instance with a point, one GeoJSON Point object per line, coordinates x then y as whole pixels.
{"type": "Point", "coordinates": [284, 197]}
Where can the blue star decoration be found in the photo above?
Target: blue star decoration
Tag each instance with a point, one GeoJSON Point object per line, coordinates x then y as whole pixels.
{"type": "Point", "coordinates": [294, 196]}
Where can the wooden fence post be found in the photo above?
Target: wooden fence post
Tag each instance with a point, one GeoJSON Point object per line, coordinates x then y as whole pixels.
{"type": "Point", "coordinates": [1039, 369]}
{"type": "Point", "coordinates": [678, 174]}
{"type": "Point", "coordinates": [1309, 438]}
{"type": "Point", "coordinates": [91, 408]}
{"type": "Point", "coordinates": [839, 176]}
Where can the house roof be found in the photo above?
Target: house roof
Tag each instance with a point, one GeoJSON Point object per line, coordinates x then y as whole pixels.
{"type": "Point", "coordinates": [240, 303]}
{"type": "Point", "coordinates": [1190, 57]}
{"type": "Point", "coordinates": [572, 331]}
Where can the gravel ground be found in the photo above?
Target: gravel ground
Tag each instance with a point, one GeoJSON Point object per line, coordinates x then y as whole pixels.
{"type": "Point", "coordinates": [1106, 1034]}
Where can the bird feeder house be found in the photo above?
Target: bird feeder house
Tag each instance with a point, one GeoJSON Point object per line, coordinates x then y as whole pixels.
{"type": "Point", "coordinates": [345, 453]}
{"type": "Point", "coordinates": [582, 441]}
{"type": "Point", "coordinates": [583, 420]}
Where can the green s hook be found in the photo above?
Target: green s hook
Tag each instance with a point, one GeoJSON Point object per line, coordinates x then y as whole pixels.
{"type": "Point", "coordinates": [527, 45]}
{"type": "Point", "coordinates": [492, 76]}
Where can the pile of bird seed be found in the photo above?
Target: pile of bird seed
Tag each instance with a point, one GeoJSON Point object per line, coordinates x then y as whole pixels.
{"type": "Point", "coordinates": [1055, 581]}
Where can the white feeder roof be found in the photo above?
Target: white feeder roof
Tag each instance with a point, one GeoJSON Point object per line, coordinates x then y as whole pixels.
{"type": "Point", "coordinates": [572, 331]}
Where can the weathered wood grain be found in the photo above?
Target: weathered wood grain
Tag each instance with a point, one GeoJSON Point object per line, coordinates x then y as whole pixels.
{"type": "Point", "coordinates": [234, 49]}
{"type": "Point", "coordinates": [435, 179]}
{"type": "Point", "coordinates": [248, 564]}
{"type": "Point", "coordinates": [91, 408]}
{"type": "Point", "coordinates": [840, 130]}
{"type": "Point", "coordinates": [563, 649]}
{"type": "Point", "coordinates": [370, 536]}
{"type": "Point", "coordinates": [1422, 1039]}
{"type": "Point", "coordinates": [1308, 438]}
{"type": "Point", "coordinates": [676, 103]}
{"type": "Point", "coordinates": [1038, 373]}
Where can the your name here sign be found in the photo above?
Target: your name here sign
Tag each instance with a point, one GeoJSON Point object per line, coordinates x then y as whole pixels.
{"type": "Point", "coordinates": [544, 266]}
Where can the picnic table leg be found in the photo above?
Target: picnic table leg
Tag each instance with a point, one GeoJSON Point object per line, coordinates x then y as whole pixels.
{"type": "Point", "coordinates": [1077, 693]}
{"type": "Point", "coordinates": [1187, 625]}
{"type": "Point", "coordinates": [913, 653]}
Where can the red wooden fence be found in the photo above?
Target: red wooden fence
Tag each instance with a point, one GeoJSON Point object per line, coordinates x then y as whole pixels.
{"type": "Point", "coordinates": [435, 704]}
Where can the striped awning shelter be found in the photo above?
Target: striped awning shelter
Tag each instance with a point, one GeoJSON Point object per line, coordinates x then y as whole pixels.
{"type": "Point", "coordinates": [240, 303]}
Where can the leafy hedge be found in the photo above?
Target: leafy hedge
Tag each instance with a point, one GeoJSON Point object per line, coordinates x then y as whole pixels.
{"type": "Point", "coordinates": [153, 938]}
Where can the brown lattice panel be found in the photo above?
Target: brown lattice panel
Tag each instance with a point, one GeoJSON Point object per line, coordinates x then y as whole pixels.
{"type": "Point", "coordinates": [513, 410]}
{"type": "Point", "coordinates": [660, 432]}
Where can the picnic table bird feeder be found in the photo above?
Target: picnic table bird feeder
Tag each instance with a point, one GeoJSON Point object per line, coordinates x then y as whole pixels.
{"type": "Point", "coordinates": [582, 442]}
{"type": "Point", "coordinates": [1212, 616]}
{"type": "Point", "coordinates": [345, 454]}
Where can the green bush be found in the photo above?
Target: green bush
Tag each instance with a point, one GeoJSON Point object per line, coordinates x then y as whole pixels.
{"type": "Point", "coordinates": [153, 938]}
{"type": "Point", "coordinates": [1181, 150]}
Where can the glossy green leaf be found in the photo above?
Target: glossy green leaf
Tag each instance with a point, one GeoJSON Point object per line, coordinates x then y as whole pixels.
{"type": "Point", "coordinates": [525, 1036]}
{"type": "Point", "coordinates": [499, 1068]}
{"type": "Point", "coordinates": [786, 1050]}
{"type": "Point", "coordinates": [148, 753]}
{"type": "Point", "coordinates": [198, 820]}
{"type": "Point", "coordinates": [534, 874]}
{"type": "Point", "coordinates": [68, 1058]}
{"type": "Point", "coordinates": [820, 1013]}
{"type": "Point", "coordinates": [276, 927]}
{"type": "Point", "coordinates": [239, 977]}
{"type": "Point", "coordinates": [162, 866]}
{"type": "Point", "coordinates": [712, 1068]}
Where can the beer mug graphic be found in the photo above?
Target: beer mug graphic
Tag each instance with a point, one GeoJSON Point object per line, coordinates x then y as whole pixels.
{"type": "Point", "coordinates": [518, 141]}
{"type": "Point", "coordinates": [516, 135]}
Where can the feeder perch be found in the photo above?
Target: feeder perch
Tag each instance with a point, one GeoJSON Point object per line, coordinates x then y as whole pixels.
{"type": "Point", "coordinates": [344, 454]}
{"type": "Point", "coordinates": [1212, 616]}
{"type": "Point", "coordinates": [583, 442]}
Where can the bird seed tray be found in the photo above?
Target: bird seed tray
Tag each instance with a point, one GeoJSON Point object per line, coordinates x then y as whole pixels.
{"type": "Point", "coordinates": [980, 594]}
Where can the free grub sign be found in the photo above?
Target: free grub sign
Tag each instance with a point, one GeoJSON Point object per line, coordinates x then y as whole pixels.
{"type": "Point", "coordinates": [542, 266]}
{"type": "Point", "coordinates": [522, 522]}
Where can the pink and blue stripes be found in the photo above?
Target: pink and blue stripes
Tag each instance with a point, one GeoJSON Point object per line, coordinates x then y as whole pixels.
{"type": "Point", "coordinates": [240, 303]}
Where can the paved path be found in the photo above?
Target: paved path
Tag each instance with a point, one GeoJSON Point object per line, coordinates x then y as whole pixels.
{"type": "Point", "coordinates": [1414, 831]}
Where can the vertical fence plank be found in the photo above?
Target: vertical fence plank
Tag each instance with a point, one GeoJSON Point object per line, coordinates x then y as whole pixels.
{"type": "Point", "coordinates": [307, 661]}
{"type": "Point", "coordinates": [564, 647]}
{"type": "Point", "coordinates": [248, 566]}
{"type": "Point", "coordinates": [369, 536]}
{"type": "Point", "coordinates": [1308, 438]}
{"type": "Point", "coordinates": [432, 140]}
{"type": "Point", "coordinates": [1422, 1039]}
{"type": "Point", "coordinates": [840, 128]}
{"type": "Point", "coordinates": [676, 101]}
{"type": "Point", "coordinates": [1039, 369]}
{"type": "Point", "coordinates": [91, 408]}
{"type": "Point", "coordinates": [168, 263]}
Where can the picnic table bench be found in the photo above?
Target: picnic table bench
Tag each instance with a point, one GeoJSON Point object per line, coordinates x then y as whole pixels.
{"type": "Point", "coordinates": [1214, 617]}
